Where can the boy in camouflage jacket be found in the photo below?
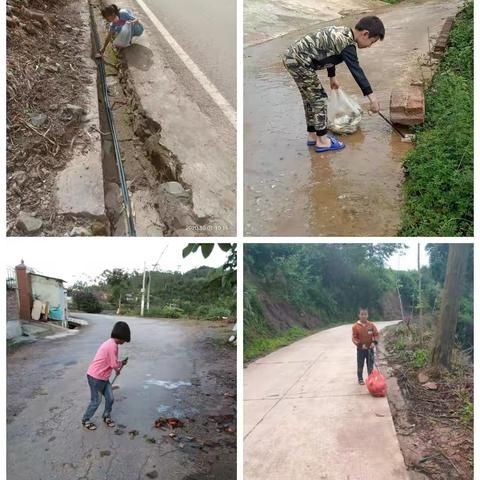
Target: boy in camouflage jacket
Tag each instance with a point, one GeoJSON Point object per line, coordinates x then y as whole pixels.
{"type": "Point", "coordinates": [325, 49]}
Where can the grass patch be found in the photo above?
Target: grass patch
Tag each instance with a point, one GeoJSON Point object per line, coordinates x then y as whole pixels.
{"type": "Point", "coordinates": [260, 346]}
{"type": "Point", "coordinates": [439, 170]}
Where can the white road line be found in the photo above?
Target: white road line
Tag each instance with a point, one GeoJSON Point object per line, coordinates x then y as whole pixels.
{"type": "Point", "coordinates": [208, 86]}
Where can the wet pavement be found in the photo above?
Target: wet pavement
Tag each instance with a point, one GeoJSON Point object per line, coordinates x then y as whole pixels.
{"type": "Point", "coordinates": [176, 369]}
{"type": "Point", "coordinates": [291, 190]}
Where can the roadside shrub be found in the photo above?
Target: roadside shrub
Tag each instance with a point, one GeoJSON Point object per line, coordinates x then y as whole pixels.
{"type": "Point", "coordinates": [439, 170]}
{"type": "Point", "coordinates": [86, 301]}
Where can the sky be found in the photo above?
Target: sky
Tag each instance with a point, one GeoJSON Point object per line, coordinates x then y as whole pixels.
{"type": "Point", "coordinates": [84, 258]}
{"type": "Point", "coordinates": [408, 260]}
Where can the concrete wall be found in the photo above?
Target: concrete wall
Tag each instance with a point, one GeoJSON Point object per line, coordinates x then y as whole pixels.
{"type": "Point", "coordinates": [48, 290]}
{"type": "Point", "coordinates": [12, 304]}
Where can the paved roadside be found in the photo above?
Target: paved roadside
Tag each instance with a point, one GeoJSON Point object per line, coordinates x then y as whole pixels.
{"type": "Point", "coordinates": [307, 417]}
{"type": "Point", "coordinates": [194, 125]}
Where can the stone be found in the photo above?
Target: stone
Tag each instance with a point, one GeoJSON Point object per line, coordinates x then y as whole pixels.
{"type": "Point", "coordinates": [38, 119]}
{"type": "Point", "coordinates": [80, 232]}
{"type": "Point", "coordinates": [19, 178]}
{"type": "Point", "coordinates": [98, 229]}
{"type": "Point", "coordinates": [407, 106]}
{"type": "Point", "coordinates": [73, 112]}
{"type": "Point", "coordinates": [174, 189]}
{"type": "Point", "coordinates": [422, 377]}
{"type": "Point", "coordinates": [431, 386]}
{"type": "Point", "coordinates": [52, 68]}
{"type": "Point", "coordinates": [27, 223]}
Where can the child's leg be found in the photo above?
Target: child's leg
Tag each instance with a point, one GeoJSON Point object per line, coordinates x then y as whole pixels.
{"type": "Point", "coordinates": [360, 363]}
{"type": "Point", "coordinates": [370, 360]}
{"type": "Point", "coordinates": [94, 399]}
{"type": "Point", "coordinates": [108, 394]}
{"type": "Point", "coordinates": [298, 73]}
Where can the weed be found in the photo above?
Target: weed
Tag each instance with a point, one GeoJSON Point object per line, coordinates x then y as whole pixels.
{"type": "Point", "coordinates": [439, 170]}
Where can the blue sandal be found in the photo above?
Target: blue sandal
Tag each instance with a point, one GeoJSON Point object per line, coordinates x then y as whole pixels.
{"type": "Point", "coordinates": [311, 143]}
{"type": "Point", "coordinates": [335, 145]}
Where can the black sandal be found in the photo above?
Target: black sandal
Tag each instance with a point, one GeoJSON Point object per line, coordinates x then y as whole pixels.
{"type": "Point", "coordinates": [109, 422]}
{"type": "Point", "coordinates": [89, 425]}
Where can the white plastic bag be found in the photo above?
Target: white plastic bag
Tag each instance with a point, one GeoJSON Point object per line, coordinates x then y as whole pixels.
{"type": "Point", "coordinates": [344, 113]}
{"type": "Point", "coordinates": [124, 38]}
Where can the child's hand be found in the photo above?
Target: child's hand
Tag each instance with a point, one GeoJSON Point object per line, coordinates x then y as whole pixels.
{"type": "Point", "coordinates": [334, 85]}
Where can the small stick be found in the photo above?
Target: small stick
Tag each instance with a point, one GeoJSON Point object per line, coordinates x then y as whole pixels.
{"type": "Point", "coordinates": [38, 133]}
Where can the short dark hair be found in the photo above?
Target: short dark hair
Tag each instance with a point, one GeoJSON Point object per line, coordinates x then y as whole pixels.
{"type": "Point", "coordinates": [362, 309]}
{"type": "Point", "coordinates": [121, 331]}
{"type": "Point", "coordinates": [110, 10]}
{"type": "Point", "coordinates": [374, 26]}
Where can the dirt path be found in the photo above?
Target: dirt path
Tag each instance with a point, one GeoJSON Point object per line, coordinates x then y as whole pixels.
{"type": "Point", "coordinates": [306, 416]}
{"type": "Point", "coordinates": [176, 368]}
{"type": "Point", "coordinates": [289, 189]}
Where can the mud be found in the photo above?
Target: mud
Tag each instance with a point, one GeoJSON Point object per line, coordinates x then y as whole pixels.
{"type": "Point", "coordinates": [290, 189]}
{"type": "Point", "coordinates": [47, 68]}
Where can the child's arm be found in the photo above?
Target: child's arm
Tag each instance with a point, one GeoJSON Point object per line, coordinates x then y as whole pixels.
{"type": "Point", "coordinates": [107, 41]}
{"type": "Point", "coordinates": [113, 361]}
{"type": "Point", "coordinates": [355, 336]}
{"type": "Point", "coordinates": [349, 56]}
{"type": "Point", "coordinates": [376, 335]}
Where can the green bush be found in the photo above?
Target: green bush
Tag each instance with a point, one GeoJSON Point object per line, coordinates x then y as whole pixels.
{"type": "Point", "coordinates": [439, 170]}
{"type": "Point", "coordinates": [420, 358]}
{"type": "Point", "coordinates": [262, 345]}
{"type": "Point", "coordinates": [167, 311]}
{"type": "Point", "coordinates": [86, 301]}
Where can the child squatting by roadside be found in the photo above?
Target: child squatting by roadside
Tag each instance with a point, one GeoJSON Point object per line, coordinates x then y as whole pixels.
{"type": "Point", "coordinates": [98, 374]}
{"type": "Point", "coordinates": [120, 19]}
{"type": "Point", "coordinates": [365, 336]}
{"type": "Point", "coordinates": [323, 50]}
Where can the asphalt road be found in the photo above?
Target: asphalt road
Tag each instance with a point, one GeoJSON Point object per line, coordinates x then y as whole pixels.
{"type": "Point", "coordinates": [206, 30]}
{"type": "Point", "coordinates": [307, 417]}
{"type": "Point", "coordinates": [176, 368]}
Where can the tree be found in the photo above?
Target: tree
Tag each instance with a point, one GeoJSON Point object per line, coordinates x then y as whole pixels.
{"type": "Point", "coordinates": [118, 281]}
{"type": "Point", "coordinates": [445, 331]}
{"type": "Point", "coordinates": [84, 298]}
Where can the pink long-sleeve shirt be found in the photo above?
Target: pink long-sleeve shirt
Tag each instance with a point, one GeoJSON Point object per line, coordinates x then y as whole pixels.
{"type": "Point", "coordinates": [106, 360]}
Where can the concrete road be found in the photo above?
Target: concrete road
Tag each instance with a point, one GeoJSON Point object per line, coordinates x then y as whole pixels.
{"type": "Point", "coordinates": [206, 30]}
{"type": "Point", "coordinates": [307, 417]}
{"type": "Point", "coordinates": [176, 368]}
{"type": "Point", "coordinates": [292, 191]}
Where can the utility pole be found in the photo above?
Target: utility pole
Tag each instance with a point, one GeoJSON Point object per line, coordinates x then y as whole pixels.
{"type": "Point", "coordinates": [142, 307]}
{"type": "Point", "coordinates": [420, 317]}
{"type": "Point", "coordinates": [148, 290]}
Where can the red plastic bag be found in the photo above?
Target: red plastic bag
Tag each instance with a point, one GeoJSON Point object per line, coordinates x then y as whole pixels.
{"type": "Point", "coordinates": [376, 384]}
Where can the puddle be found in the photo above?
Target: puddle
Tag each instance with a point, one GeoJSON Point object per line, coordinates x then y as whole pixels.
{"type": "Point", "coordinates": [291, 190]}
{"type": "Point", "coordinates": [168, 385]}
{"type": "Point", "coordinates": [177, 412]}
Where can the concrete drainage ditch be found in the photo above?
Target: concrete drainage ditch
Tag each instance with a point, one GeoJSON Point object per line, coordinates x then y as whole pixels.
{"type": "Point", "coordinates": [161, 202]}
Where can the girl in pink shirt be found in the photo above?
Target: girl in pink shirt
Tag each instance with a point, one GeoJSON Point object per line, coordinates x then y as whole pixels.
{"type": "Point", "coordinates": [98, 374]}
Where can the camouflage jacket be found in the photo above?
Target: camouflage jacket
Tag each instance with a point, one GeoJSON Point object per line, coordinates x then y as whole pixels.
{"type": "Point", "coordinates": [329, 47]}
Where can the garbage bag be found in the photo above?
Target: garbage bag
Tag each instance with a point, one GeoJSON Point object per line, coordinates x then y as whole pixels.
{"type": "Point", "coordinates": [344, 113]}
{"type": "Point", "coordinates": [124, 38]}
{"type": "Point", "coordinates": [376, 384]}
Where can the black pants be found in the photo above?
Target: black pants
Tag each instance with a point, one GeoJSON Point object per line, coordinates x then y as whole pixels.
{"type": "Point", "coordinates": [363, 355]}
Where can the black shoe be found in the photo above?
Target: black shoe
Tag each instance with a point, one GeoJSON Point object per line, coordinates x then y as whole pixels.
{"type": "Point", "coordinates": [361, 382]}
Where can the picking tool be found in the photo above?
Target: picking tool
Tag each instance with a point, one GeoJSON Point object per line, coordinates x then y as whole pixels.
{"type": "Point", "coordinates": [116, 387]}
{"type": "Point", "coordinates": [405, 137]}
